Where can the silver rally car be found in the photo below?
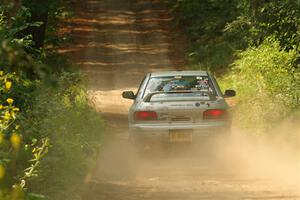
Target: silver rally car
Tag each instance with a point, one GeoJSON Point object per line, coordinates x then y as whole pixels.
{"type": "Point", "coordinates": [178, 106]}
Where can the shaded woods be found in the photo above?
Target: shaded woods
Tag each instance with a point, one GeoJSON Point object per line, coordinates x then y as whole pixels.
{"type": "Point", "coordinates": [47, 128]}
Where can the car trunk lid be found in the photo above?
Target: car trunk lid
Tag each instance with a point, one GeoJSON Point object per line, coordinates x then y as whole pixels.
{"type": "Point", "coordinates": [180, 112]}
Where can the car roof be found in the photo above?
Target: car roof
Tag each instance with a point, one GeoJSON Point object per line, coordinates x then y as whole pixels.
{"type": "Point", "coordinates": [179, 73]}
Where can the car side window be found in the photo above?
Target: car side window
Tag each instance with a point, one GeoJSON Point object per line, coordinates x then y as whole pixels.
{"type": "Point", "coordinates": [216, 86]}
{"type": "Point", "coordinates": [138, 94]}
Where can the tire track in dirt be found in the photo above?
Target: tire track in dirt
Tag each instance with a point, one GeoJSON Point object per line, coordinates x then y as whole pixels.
{"type": "Point", "coordinates": [116, 43]}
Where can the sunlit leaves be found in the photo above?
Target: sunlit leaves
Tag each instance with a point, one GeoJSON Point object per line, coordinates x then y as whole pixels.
{"type": "Point", "coordinates": [265, 78]}
{"type": "Point", "coordinates": [38, 153]}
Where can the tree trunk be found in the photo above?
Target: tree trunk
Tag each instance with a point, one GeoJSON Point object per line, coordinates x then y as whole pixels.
{"type": "Point", "coordinates": [39, 13]}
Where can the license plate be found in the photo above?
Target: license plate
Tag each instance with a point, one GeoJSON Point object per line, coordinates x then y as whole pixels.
{"type": "Point", "coordinates": [181, 135]}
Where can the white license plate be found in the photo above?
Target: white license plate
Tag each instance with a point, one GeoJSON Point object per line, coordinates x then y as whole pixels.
{"type": "Point", "coordinates": [181, 135]}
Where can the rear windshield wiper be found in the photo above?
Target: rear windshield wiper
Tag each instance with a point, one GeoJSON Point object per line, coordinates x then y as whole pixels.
{"type": "Point", "coordinates": [150, 95]}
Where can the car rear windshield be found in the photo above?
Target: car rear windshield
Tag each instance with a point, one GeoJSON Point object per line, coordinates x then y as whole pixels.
{"type": "Point", "coordinates": [180, 88]}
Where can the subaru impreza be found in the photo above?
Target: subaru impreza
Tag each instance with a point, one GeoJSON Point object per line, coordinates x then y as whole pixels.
{"type": "Point", "coordinates": [178, 106]}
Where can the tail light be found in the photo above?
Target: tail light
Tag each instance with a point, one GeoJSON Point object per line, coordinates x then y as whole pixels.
{"type": "Point", "coordinates": [214, 114]}
{"type": "Point", "coordinates": [145, 116]}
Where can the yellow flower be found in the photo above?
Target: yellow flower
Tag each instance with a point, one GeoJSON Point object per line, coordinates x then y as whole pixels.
{"type": "Point", "coordinates": [12, 114]}
{"type": "Point", "coordinates": [7, 116]}
{"type": "Point", "coordinates": [2, 172]}
{"type": "Point", "coordinates": [1, 73]}
{"type": "Point", "coordinates": [10, 100]}
{"type": "Point", "coordinates": [15, 140]}
{"type": "Point", "coordinates": [8, 85]}
{"type": "Point", "coordinates": [1, 106]}
{"type": "Point", "coordinates": [16, 109]}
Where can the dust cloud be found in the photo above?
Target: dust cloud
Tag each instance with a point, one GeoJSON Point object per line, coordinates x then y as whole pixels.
{"type": "Point", "coordinates": [240, 165]}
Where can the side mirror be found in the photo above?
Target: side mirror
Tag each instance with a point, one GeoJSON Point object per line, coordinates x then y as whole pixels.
{"type": "Point", "coordinates": [128, 95]}
{"type": "Point", "coordinates": [229, 93]}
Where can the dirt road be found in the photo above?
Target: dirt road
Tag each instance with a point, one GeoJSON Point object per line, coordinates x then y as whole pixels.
{"type": "Point", "coordinates": [116, 43]}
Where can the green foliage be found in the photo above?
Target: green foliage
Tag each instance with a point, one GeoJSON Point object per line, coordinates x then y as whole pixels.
{"type": "Point", "coordinates": [217, 29]}
{"type": "Point", "coordinates": [55, 137]}
{"type": "Point", "coordinates": [74, 130]}
{"type": "Point", "coordinates": [15, 149]}
{"type": "Point", "coordinates": [281, 19]}
{"type": "Point", "coordinates": [203, 21]}
{"type": "Point", "coordinates": [17, 52]}
{"type": "Point", "coordinates": [14, 47]}
{"type": "Point", "coordinates": [203, 17]}
{"type": "Point", "coordinates": [47, 129]}
{"type": "Point", "coordinates": [10, 138]}
{"type": "Point", "coordinates": [267, 83]}
{"type": "Point", "coordinates": [12, 26]}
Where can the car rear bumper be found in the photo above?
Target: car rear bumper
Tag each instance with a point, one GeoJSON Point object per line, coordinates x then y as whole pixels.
{"type": "Point", "coordinates": [161, 132]}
